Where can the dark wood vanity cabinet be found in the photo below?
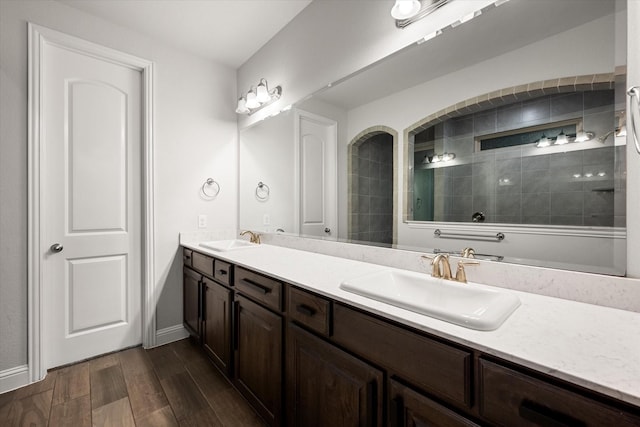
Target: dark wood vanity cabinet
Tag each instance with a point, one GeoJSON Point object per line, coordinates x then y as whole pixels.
{"type": "Point", "coordinates": [410, 408]}
{"type": "Point", "coordinates": [191, 301]}
{"type": "Point", "coordinates": [329, 387]}
{"type": "Point", "coordinates": [259, 343]}
{"type": "Point", "coordinates": [302, 359]}
{"type": "Point", "coordinates": [216, 323]}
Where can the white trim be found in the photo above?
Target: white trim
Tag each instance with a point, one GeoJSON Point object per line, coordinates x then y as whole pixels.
{"type": "Point", "coordinates": [170, 334]}
{"type": "Point", "coordinates": [38, 37]}
{"type": "Point", "coordinates": [13, 378]}
{"type": "Point", "coordinates": [560, 230]}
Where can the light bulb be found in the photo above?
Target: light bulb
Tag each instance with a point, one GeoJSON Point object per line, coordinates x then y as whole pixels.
{"type": "Point", "coordinates": [405, 9]}
{"type": "Point", "coordinates": [543, 142]}
{"type": "Point", "coordinates": [242, 106]}
{"type": "Point", "coordinates": [436, 158]}
{"type": "Point", "coordinates": [562, 139]}
{"type": "Point", "coordinates": [252, 99]}
{"type": "Point", "coordinates": [262, 94]}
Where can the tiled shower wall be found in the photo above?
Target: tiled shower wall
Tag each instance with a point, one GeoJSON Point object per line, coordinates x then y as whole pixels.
{"type": "Point", "coordinates": [518, 185]}
{"type": "Point", "coordinates": [372, 192]}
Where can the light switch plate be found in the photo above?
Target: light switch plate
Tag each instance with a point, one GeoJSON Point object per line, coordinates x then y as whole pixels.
{"type": "Point", "coordinates": [202, 221]}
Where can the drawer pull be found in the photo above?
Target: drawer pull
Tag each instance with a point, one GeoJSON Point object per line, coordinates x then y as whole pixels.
{"type": "Point", "coordinates": [305, 309]}
{"type": "Point", "coordinates": [263, 289]}
{"type": "Point", "coordinates": [546, 417]}
{"type": "Point", "coordinates": [222, 272]}
{"type": "Point", "coordinates": [187, 257]}
{"type": "Point", "coordinates": [236, 324]}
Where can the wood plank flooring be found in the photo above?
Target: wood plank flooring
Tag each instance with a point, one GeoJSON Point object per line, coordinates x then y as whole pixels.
{"type": "Point", "coordinates": [172, 385]}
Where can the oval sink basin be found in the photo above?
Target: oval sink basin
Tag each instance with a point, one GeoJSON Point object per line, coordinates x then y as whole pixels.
{"type": "Point", "coordinates": [228, 245]}
{"type": "Point", "coordinates": [459, 303]}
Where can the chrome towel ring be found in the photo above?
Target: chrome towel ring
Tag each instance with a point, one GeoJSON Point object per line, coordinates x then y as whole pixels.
{"type": "Point", "coordinates": [262, 191]}
{"type": "Point", "coordinates": [634, 110]}
{"type": "Point", "coordinates": [207, 191]}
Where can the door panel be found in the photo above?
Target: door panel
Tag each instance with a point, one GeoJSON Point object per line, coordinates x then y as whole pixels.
{"type": "Point", "coordinates": [91, 181]}
{"type": "Point", "coordinates": [318, 176]}
{"type": "Point", "coordinates": [97, 120]}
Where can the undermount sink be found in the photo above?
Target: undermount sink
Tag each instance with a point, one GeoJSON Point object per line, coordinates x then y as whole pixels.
{"type": "Point", "coordinates": [459, 303]}
{"type": "Point", "coordinates": [228, 245]}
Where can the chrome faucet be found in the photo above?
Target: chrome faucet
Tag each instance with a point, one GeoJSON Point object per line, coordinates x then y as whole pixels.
{"type": "Point", "coordinates": [253, 236]}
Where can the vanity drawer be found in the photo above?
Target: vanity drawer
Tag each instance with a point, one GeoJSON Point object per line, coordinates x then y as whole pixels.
{"type": "Point", "coordinates": [433, 366]}
{"type": "Point", "coordinates": [222, 272]}
{"type": "Point", "coordinates": [260, 288]}
{"type": "Point", "coordinates": [202, 263]}
{"type": "Point", "coordinates": [510, 398]}
{"type": "Point", "coordinates": [186, 256]}
{"type": "Point", "coordinates": [310, 310]}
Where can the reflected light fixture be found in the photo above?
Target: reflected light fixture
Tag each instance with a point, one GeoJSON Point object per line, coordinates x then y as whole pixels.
{"type": "Point", "coordinates": [405, 9]}
{"type": "Point", "coordinates": [561, 139]}
{"type": "Point", "coordinates": [258, 97]}
{"type": "Point", "coordinates": [543, 141]}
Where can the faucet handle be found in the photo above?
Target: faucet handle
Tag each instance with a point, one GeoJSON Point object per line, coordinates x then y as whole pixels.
{"type": "Point", "coordinates": [461, 275]}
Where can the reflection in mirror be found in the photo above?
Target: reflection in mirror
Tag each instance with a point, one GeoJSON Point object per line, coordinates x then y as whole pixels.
{"type": "Point", "coordinates": [517, 131]}
{"type": "Point", "coordinates": [525, 157]}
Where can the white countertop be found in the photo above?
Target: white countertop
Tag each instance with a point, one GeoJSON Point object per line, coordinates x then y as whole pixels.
{"type": "Point", "coordinates": [591, 346]}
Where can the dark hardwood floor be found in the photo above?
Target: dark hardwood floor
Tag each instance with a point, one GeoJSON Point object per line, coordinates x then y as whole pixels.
{"type": "Point", "coordinates": [172, 385]}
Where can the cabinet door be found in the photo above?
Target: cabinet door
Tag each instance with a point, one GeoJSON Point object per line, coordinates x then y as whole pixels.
{"type": "Point", "coordinates": [408, 408]}
{"type": "Point", "coordinates": [328, 387]}
{"type": "Point", "coordinates": [191, 301]}
{"type": "Point", "coordinates": [216, 324]}
{"type": "Point", "coordinates": [259, 358]}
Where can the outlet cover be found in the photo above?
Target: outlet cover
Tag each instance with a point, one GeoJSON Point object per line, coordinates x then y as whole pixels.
{"type": "Point", "coordinates": [202, 221]}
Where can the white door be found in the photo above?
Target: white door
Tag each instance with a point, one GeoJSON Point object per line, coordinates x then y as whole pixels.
{"type": "Point", "coordinates": [91, 207]}
{"type": "Point", "coordinates": [318, 175]}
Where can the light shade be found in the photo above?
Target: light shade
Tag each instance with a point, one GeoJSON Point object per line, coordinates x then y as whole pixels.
{"type": "Point", "coordinates": [242, 106]}
{"type": "Point", "coordinates": [562, 139]}
{"type": "Point", "coordinates": [262, 93]}
{"type": "Point", "coordinates": [405, 9]}
{"type": "Point", "coordinates": [252, 99]}
{"type": "Point", "coordinates": [543, 142]}
{"type": "Point", "coordinates": [583, 136]}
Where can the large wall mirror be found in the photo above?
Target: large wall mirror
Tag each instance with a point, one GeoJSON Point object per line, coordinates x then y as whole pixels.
{"type": "Point", "coordinates": [505, 133]}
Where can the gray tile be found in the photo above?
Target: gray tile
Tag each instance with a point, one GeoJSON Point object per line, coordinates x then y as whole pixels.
{"type": "Point", "coordinates": [363, 204]}
{"type": "Point", "coordinates": [599, 156]}
{"type": "Point", "coordinates": [506, 219]}
{"type": "Point", "coordinates": [535, 181]}
{"type": "Point", "coordinates": [599, 220]}
{"type": "Point", "coordinates": [506, 205]}
{"type": "Point", "coordinates": [562, 181]}
{"type": "Point", "coordinates": [533, 220]}
{"type": "Point", "coordinates": [462, 186]}
{"type": "Point", "coordinates": [600, 123]}
{"type": "Point", "coordinates": [599, 101]}
{"type": "Point", "coordinates": [509, 183]}
{"type": "Point", "coordinates": [536, 110]}
{"type": "Point", "coordinates": [461, 205]}
{"type": "Point", "coordinates": [482, 204]}
{"type": "Point", "coordinates": [564, 204]}
{"type": "Point", "coordinates": [536, 204]}
{"type": "Point", "coordinates": [562, 160]}
{"type": "Point", "coordinates": [573, 220]}
{"type": "Point", "coordinates": [566, 104]}
{"type": "Point", "coordinates": [462, 126]}
{"type": "Point", "coordinates": [509, 117]}
{"type": "Point", "coordinates": [462, 170]}
{"type": "Point", "coordinates": [485, 122]}
{"type": "Point", "coordinates": [535, 162]}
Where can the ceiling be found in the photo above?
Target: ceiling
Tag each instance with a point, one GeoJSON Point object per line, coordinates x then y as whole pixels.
{"type": "Point", "coordinates": [226, 31]}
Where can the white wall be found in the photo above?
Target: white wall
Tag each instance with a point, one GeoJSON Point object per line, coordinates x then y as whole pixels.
{"type": "Point", "coordinates": [633, 157]}
{"type": "Point", "coordinates": [267, 153]}
{"type": "Point", "coordinates": [195, 138]}
{"type": "Point", "coordinates": [331, 39]}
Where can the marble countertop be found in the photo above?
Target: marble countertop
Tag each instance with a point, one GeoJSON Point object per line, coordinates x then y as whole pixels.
{"type": "Point", "coordinates": [591, 346]}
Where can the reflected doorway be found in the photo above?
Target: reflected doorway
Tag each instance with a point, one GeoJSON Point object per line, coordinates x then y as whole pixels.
{"type": "Point", "coordinates": [372, 190]}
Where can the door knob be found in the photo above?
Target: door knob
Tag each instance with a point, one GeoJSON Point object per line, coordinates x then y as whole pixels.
{"type": "Point", "coordinates": [327, 230]}
{"type": "Point", "coordinates": [56, 247]}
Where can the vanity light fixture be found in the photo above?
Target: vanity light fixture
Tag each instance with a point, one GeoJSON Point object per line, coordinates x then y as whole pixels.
{"type": "Point", "coordinates": [406, 12]}
{"type": "Point", "coordinates": [429, 36]}
{"type": "Point", "coordinates": [405, 9]}
{"type": "Point", "coordinates": [561, 139]}
{"type": "Point", "coordinates": [543, 141]}
{"type": "Point", "coordinates": [583, 136]}
{"type": "Point", "coordinates": [444, 157]}
{"type": "Point", "coordinates": [258, 97]}
{"type": "Point", "coordinates": [466, 18]}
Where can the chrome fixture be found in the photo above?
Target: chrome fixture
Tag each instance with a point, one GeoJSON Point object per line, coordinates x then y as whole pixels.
{"type": "Point", "coordinates": [620, 130]}
{"type": "Point", "coordinates": [258, 97]}
{"type": "Point", "coordinates": [56, 248]}
{"type": "Point", "coordinates": [210, 188]}
{"type": "Point", "coordinates": [474, 236]}
{"type": "Point", "coordinates": [634, 107]}
{"type": "Point", "coordinates": [253, 236]}
{"type": "Point", "coordinates": [461, 275]}
{"type": "Point", "coordinates": [406, 12]}
{"type": "Point", "coordinates": [562, 138]}
{"type": "Point", "coordinates": [262, 191]}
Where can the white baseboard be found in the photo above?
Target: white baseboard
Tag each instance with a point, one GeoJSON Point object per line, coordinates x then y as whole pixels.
{"type": "Point", "coordinates": [170, 334]}
{"type": "Point", "coordinates": [14, 378]}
